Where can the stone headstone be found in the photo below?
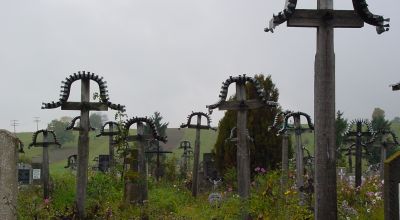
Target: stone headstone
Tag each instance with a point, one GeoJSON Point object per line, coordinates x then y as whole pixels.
{"type": "Point", "coordinates": [391, 187]}
{"type": "Point", "coordinates": [8, 175]}
{"type": "Point", "coordinates": [24, 174]}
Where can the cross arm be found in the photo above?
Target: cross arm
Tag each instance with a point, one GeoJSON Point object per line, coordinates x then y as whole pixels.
{"type": "Point", "coordinates": [316, 18]}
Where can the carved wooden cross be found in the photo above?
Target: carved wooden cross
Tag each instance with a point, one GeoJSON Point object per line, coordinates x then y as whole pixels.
{"type": "Point", "coordinates": [141, 140]}
{"type": "Point", "coordinates": [45, 161]}
{"type": "Point", "coordinates": [326, 19]}
{"type": "Point", "coordinates": [158, 152]}
{"type": "Point", "coordinates": [359, 134]}
{"type": "Point", "coordinates": [84, 106]}
{"type": "Point", "coordinates": [242, 105]}
{"type": "Point", "coordinates": [110, 133]}
{"type": "Point", "coordinates": [198, 126]}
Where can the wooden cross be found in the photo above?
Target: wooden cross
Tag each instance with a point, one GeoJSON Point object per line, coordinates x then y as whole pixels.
{"type": "Point", "coordinates": [386, 145]}
{"type": "Point", "coordinates": [45, 161]}
{"type": "Point", "coordinates": [141, 138]}
{"type": "Point", "coordinates": [326, 19]}
{"type": "Point", "coordinates": [198, 126]}
{"type": "Point", "coordinates": [110, 133]}
{"type": "Point", "coordinates": [359, 134]}
{"type": "Point", "coordinates": [233, 136]}
{"type": "Point", "coordinates": [242, 105]}
{"type": "Point", "coordinates": [158, 152]}
{"type": "Point", "coordinates": [84, 106]}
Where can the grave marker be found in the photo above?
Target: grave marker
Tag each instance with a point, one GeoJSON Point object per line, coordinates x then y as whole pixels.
{"type": "Point", "coordinates": [186, 155]}
{"type": "Point", "coordinates": [359, 136]}
{"type": "Point", "coordinates": [45, 175]}
{"type": "Point", "coordinates": [110, 133]}
{"type": "Point", "coordinates": [8, 175]}
{"type": "Point", "coordinates": [24, 174]}
{"type": "Point", "coordinates": [84, 106]}
{"type": "Point", "coordinates": [326, 19]}
{"type": "Point", "coordinates": [158, 152]}
{"type": "Point", "coordinates": [140, 139]}
{"type": "Point", "coordinates": [198, 126]}
{"type": "Point", "coordinates": [241, 105]}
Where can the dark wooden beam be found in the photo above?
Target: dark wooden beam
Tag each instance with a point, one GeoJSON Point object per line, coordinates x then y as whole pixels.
{"type": "Point", "coordinates": [92, 106]}
{"type": "Point", "coordinates": [315, 18]}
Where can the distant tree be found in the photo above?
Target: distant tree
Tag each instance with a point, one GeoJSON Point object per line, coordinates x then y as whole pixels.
{"type": "Point", "coordinates": [379, 123]}
{"type": "Point", "coordinates": [341, 126]}
{"type": "Point", "coordinates": [396, 120]}
{"type": "Point", "coordinates": [97, 120]}
{"type": "Point", "coordinates": [266, 150]}
{"type": "Point", "coordinates": [58, 126]}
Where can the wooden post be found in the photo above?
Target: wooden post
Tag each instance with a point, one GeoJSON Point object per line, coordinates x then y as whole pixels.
{"type": "Point", "coordinates": [142, 164]}
{"type": "Point", "coordinates": [196, 161]}
{"type": "Point", "coordinates": [111, 147]}
{"type": "Point", "coordinates": [299, 158]}
{"type": "Point", "coordinates": [45, 166]}
{"type": "Point", "coordinates": [83, 151]}
{"type": "Point", "coordinates": [383, 158]}
{"type": "Point", "coordinates": [350, 161]}
{"type": "Point", "coordinates": [285, 162]}
{"type": "Point", "coordinates": [243, 152]}
{"type": "Point", "coordinates": [358, 172]}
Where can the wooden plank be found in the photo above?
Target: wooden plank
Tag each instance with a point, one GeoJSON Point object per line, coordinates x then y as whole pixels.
{"type": "Point", "coordinates": [92, 106]}
{"type": "Point", "coordinates": [83, 151]}
{"type": "Point", "coordinates": [237, 105]}
{"type": "Point", "coordinates": [45, 167]}
{"type": "Point", "coordinates": [196, 162]}
{"type": "Point", "coordinates": [142, 165]}
{"type": "Point", "coordinates": [315, 18]}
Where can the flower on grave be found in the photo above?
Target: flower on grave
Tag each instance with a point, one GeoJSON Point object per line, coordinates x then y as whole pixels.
{"type": "Point", "coordinates": [257, 169]}
{"type": "Point", "coordinates": [263, 170]}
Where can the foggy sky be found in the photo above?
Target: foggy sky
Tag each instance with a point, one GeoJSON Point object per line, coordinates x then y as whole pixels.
{"type": "Point", "coordinates": [172, 56]}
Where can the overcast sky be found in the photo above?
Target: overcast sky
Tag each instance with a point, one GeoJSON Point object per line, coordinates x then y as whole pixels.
{"type": "Point", "coordinates": [172, 56]}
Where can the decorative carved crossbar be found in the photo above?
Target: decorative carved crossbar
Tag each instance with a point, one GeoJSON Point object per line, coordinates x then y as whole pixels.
{"type": "Point", "coordinates": [44, 143]}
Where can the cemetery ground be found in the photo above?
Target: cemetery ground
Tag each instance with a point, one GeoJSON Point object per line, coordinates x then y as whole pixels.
{"type": "Point", "coordinates": [171, 197]}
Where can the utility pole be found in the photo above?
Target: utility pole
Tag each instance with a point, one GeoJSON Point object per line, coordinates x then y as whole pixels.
{"type": "Point", "coordinates": [37, 122]}
{"type": "Point", "coordinates": [14, 123]}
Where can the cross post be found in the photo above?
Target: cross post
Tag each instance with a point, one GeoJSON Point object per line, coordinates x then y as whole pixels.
{"type": "Point", "coordinates": [110, 133]}
{"type": "Point", "coordinates": [45, 157]}
{"type": "Point", "coordinates": [84, 106]}
{"type": "Point", "coordinates": [196, 161]}
{"type": "Point", "coordinates": [326, 19]}
{"type": "Point", "coordinates": [158, 152]}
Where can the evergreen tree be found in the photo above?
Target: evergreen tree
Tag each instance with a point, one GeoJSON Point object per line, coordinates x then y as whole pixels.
{"type": "Point", "coordinates": [341, 126]}
{"type": "Point", "coordinates": [266, 149]}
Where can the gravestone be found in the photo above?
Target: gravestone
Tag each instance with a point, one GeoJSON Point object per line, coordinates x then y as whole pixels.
{"type": "Point", "coordinates": [24, 174]}
{"type": "Point", "coordinates": [8, 175]}
{"type": "Point", "coordinates": [391, 187]}
{"type": "Point", "coordinates": [37, 167]}
{"type": "Point", "coordinates": [104, 163]}
{"type": "Point", "coordinates": [209, 169]}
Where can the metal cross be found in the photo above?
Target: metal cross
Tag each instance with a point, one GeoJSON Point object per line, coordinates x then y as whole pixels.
{"type": "Point", "coordinates": [326, 19]}
{"type": "Point", "coordinates": [45, 161]}
{"type": "Point", "coordinates": [110, 133]}
{"type": "Point", "coordinates": [198, 126]}
{"type": "Point", "coordinates": [84, 106]}
{"type": "Point", "coordinates": [158, 152]}
{"type": "Point", "coordinates": [359, 135]}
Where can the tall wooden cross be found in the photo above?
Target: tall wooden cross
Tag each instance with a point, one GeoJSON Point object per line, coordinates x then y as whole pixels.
{"type": "Point", "coordinates": [359, 134]}
{"type": "Point", "coordinates": [141, 139]}
{"type": "Point", "coordinates": [198, 126]}
{"type": "Point", "coordinates": [242, 105]}
{"type": "Point", "coordinates": [326, 19]}
{"type": "Point", "coordinates": [45, 161]}
{"type": "Point", "coordinates": [158, 152]}
{"type": "Point", "coordinates": [84, 106]}
{"type": "Point", "coordinates": [110, 133]}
